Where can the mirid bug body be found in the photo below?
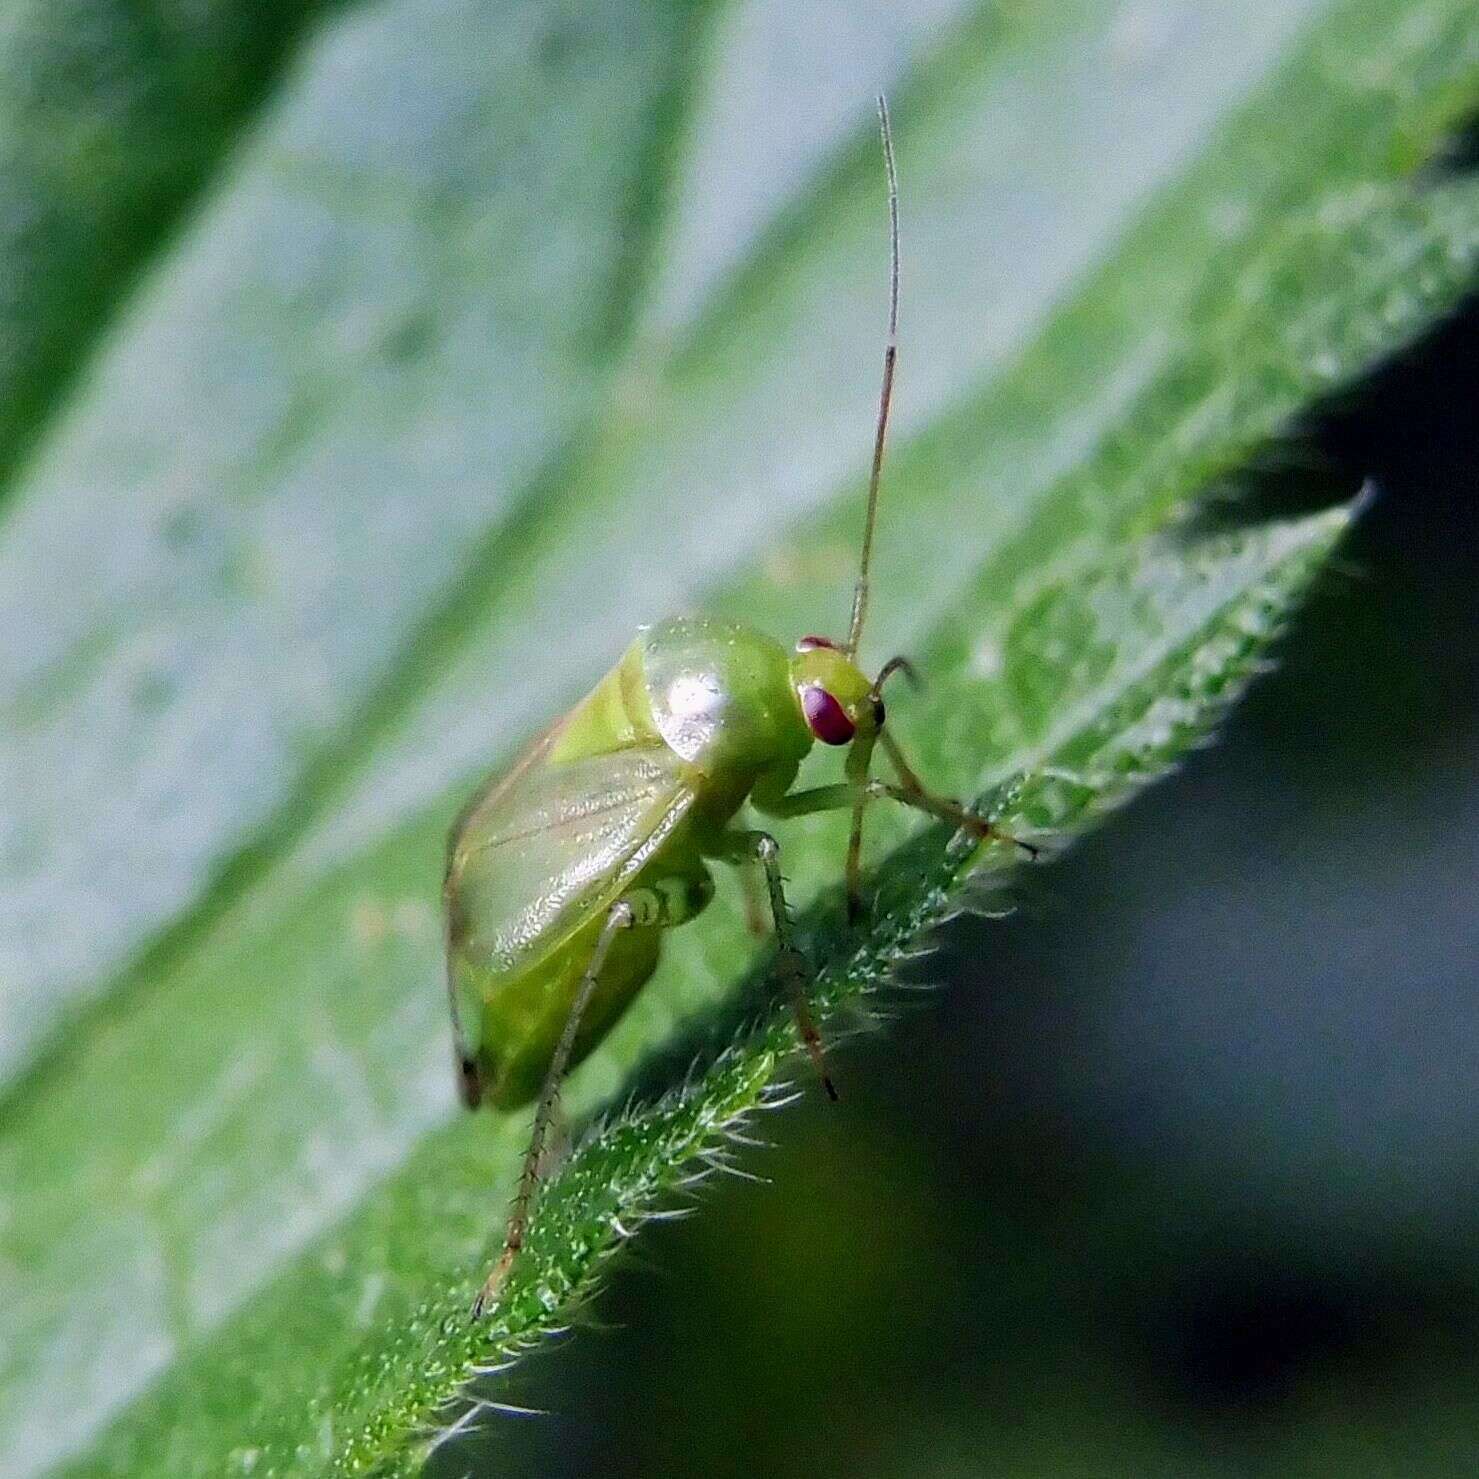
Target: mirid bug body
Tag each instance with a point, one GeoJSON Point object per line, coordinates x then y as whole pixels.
{"type": "Point", "coordinates": [630, 795]}
{"type": "Point", "coordinates": [563, 872]}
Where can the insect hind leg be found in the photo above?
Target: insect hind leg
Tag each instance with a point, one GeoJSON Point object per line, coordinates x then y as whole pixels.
{"type": "Point", "coordinates": [622, 915]}
{"type": "Point", "coordinates": [661, 901]}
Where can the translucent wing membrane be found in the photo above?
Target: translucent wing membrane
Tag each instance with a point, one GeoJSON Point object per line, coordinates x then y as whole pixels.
{"type": "Point", "coordinates": [554, 841]}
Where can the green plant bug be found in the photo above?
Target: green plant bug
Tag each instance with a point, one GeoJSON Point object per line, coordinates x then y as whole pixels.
{"type": "Point", "coordinates": [564, 871]}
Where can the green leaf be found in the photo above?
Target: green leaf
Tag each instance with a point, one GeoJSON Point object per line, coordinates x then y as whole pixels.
{"type": "Point", "coordinates": [398, 306]}
{"type": "Point", "coordinates": [1159, 641]}
{"type": "Point", "coordinates": [112, 115]}
{"type": "Point", "coordinates": [470, 360]}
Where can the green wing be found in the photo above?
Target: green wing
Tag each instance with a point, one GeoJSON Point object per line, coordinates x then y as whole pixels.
{"type": "Point", "coordinates": [544, 847]}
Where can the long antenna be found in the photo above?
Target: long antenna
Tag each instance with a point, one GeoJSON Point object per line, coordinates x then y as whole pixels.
{"type": "Point", "coordinates": [890, 354]}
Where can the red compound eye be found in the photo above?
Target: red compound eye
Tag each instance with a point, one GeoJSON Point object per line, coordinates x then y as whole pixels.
{"type": "Point", "coordinates": [810, 644]}
{"type": "Point", "coordinates": [825, 717]}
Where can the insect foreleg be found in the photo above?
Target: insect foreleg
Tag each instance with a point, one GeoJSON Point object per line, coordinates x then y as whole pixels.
{"type": "Point", "coordinates": [622, 915]}
{"type": "Point", "coordinates": [911, 791]}
{"type": "Point", "coordinates": [761, 847]}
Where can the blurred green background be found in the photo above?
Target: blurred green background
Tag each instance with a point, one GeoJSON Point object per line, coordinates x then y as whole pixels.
{"type": "Point", "coordinates": [369, 370]}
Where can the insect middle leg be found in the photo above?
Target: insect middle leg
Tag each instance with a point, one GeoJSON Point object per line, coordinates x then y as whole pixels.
{"type": "Point", "coordinates": [762, 848]}
{"type": "Point", "coordinates": [752, 882]}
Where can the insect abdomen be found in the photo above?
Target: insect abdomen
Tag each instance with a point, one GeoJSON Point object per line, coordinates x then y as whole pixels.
{"type": "Point", "coordinates": [523, 1015]}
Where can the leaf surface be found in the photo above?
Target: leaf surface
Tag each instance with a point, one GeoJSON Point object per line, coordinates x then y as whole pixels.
{"type": "Point", "coordinates": [439, 394]}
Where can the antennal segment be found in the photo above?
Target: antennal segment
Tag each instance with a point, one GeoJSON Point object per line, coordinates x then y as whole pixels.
{"type": "Point", "coordinates": [890, 354]}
